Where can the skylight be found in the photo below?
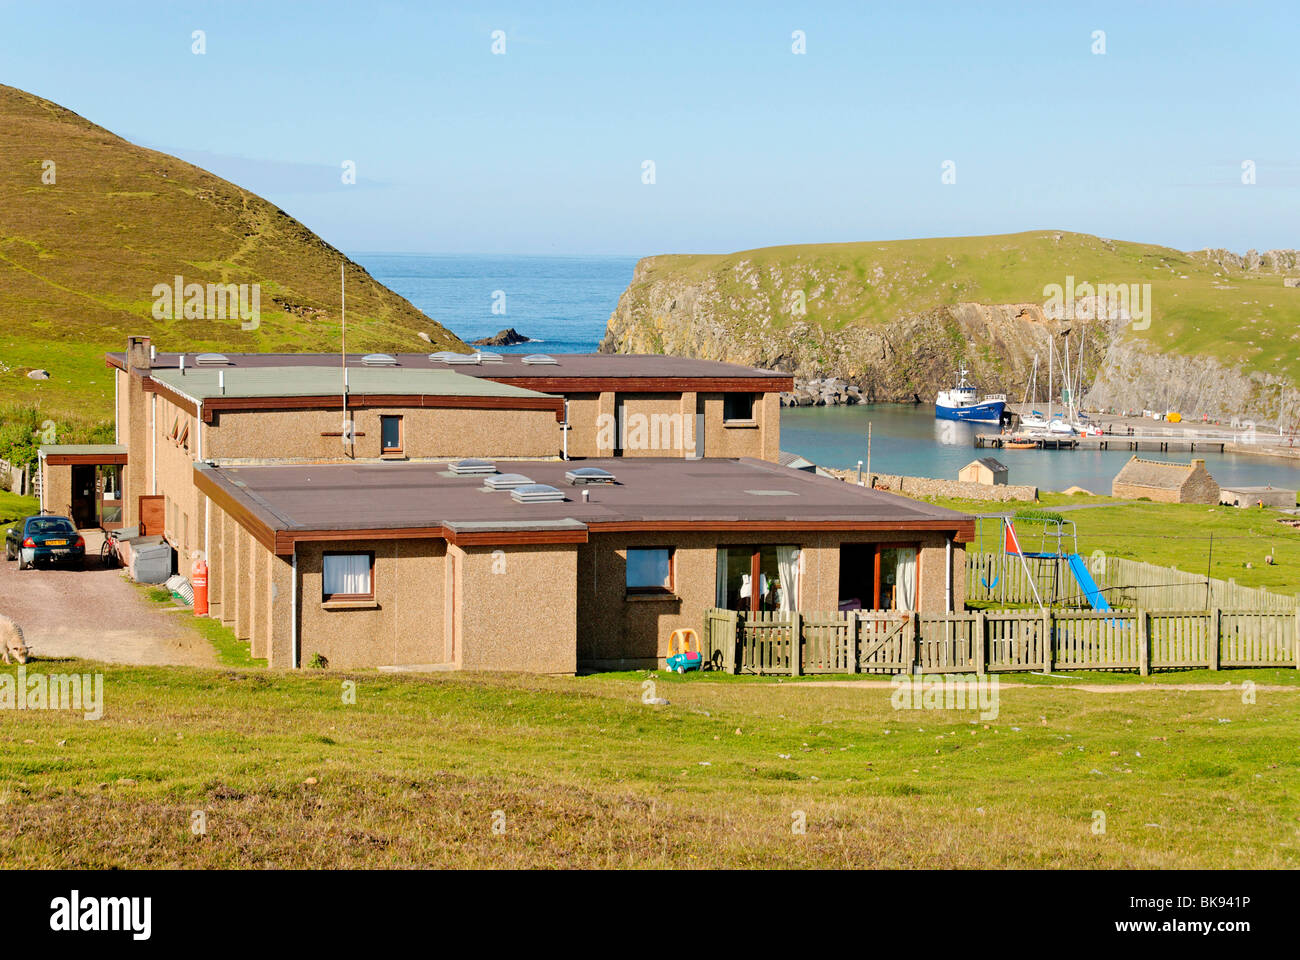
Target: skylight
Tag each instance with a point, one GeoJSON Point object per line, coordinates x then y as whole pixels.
{"type": "Point", "coordinates": [585, 475]}
{"type": "Point", "coordinates": [487, 357]}
{"type": "Point", "coordinates": [211, 359]}
{"type": "Point", "coordinates": [461, 358]}
{"type": "Point", "coordinates": [506, 481]}
{"type": "Point", "coordinates": [379, 360]}
{"type": "Point", "coordinates": [536, 493]}
{"type": "Point", "coordinates": [473, 467]}
{"type": "Point", "coordinates": [536, 358]}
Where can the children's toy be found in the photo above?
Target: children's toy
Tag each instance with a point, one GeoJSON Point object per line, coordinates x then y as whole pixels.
{"type": "Point", "coordinates": [681, 656]}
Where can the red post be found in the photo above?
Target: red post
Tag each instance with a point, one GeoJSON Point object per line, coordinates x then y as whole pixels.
{"type": "Point", "coordinates": [199, 581]}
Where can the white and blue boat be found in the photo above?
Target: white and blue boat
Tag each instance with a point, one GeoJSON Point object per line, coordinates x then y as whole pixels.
{"type": "Point", "coordinates": [961, 403]}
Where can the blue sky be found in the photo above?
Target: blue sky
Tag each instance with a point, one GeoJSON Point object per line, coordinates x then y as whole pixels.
{"type": "Point", "coordinates": [540, 150]}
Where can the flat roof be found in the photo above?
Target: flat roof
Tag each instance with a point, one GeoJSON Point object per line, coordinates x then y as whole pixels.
{"type": "Point", "coordinates": [511, 365]}
{"type": "Point", "coordinates": [81, 449]}
{"type": "Point", "coordinates": [202, 383]}
{"type": "Point", "coordinates": [649, 494]}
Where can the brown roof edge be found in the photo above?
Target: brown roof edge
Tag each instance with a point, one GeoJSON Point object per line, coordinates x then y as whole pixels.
{"type": "Point", "coordinates": [543, 384]}
{"type": "Point", "coordinates": [963, 530]}
{"type": "Point", "coordinates": [358, 401]}
{"type": "Point", "coordinates": [214, 490]}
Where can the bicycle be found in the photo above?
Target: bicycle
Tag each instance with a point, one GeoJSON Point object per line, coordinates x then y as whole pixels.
{"type": "Point", "coordinates": [108, 555]}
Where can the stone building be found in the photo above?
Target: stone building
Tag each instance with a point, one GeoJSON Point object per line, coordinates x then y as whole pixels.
{"type": "Point", "coordinates": [1165, 482]}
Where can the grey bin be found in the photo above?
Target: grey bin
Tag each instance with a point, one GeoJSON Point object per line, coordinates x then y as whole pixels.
{"type": "Point", "coordinates": [151, 563]}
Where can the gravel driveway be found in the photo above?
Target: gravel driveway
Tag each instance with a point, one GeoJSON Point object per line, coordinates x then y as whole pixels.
{"type": "Point", "coordinates": [97, 614]}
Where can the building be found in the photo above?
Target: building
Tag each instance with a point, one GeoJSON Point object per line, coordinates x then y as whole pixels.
{"type": "Point", "coordinates": [417, 563]}
{"type": "Point", "coordinates": [1258, 497]}
{"type": "Point", "coordinates": [985, 470]}
{"type": "Point", "coordinates": [1165, 482]}
{"type": "Point", "coordinates": [331, 503]}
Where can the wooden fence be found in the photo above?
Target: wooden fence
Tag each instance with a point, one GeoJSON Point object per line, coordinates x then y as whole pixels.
{"type": "Point", "coordinates": [884, 641]}
{"type": "Point", "coordinates": [996, 578]}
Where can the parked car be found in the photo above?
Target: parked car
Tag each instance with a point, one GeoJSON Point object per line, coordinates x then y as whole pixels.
{"type": "Point", "coordinates": [44, 538]}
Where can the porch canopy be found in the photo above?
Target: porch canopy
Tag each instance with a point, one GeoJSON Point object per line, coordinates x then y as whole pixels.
{"type": "Point", "coordinates": [83, 481]}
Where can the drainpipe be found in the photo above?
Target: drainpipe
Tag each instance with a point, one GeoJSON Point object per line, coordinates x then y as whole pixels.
{"type": "Point", "coordinates": [293, 612]}
{"type": "Point", "coordinates": [947, 590]}
{"type": "Point", "coordinates": [41, 463]}
{"type": "Point", "coordinates": [564, 430]}
{"type": "Point", "coordinates": [153, 433]}
{"type": "Point", "coordinates": [115, 437]}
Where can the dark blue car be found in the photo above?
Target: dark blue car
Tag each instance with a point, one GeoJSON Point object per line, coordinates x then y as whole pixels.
{"type": "Point", "coordinates": [46, 539]}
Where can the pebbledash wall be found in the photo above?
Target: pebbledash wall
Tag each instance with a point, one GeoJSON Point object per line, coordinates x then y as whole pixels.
{"type": "Point", "coordinates": [440, 603]}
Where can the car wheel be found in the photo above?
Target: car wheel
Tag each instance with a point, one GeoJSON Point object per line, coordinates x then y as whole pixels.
{"type": "Point", "coordinates": [9, 553]}
{"type": "Point", "coordinates": [23, 564]}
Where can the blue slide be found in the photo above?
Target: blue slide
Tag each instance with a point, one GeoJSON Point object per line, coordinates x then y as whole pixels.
{"type": "Point", "coordinates": [1089, 585]}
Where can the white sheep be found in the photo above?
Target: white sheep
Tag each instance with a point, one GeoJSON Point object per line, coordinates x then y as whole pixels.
{"type": "Point", "coordinates": [12, 641]}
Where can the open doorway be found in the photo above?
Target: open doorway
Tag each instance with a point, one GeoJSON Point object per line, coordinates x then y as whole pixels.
{"type": "Point", "coordinates": [85, 496]}
{"type": "Point", "coordinates": [879, 576]}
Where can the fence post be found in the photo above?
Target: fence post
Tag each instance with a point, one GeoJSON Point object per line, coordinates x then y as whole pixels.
{"type": "Point", "coordinates": [733, 625]}
{"type": "Point", "coordinates": [1144, 643]}
{"type": "Point", "coordinates": [1047, 641]}
{"type": "Point", "coordinates": [980, 643]}
{"type": "Point", "coordinates": [916, 641]}
{"type": "Point", "coordinates": [1214, 637]}
{"type": "Point", "coordinates": [796, 642]}
{"type": "Point", "coordinates": [1295, 639]}
{"type": "Point", "coordinates": [854, 629]}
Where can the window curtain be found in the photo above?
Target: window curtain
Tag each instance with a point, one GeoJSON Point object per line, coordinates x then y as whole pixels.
{"type": "Point", "coordinates": [787, 568]}
{"type": "Point", "coordinates": [347, 574]}
{"type": "Point", "coordinates": [721, 590]}
{"type": "Point", "coordinates": [905, 579]}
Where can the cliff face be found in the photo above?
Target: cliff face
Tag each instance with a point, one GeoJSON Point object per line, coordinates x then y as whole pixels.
{"type": "Point", "coordinates": [907, 359]}
{"type": "Point", "coordinates": [896, 320]}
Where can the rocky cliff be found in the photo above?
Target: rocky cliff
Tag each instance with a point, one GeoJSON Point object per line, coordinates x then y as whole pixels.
{"type": "Point", "coordinates": [893, 321]}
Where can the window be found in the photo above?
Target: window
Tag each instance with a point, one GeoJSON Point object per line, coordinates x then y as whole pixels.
{"type": "Point", "coordinates": [737, 406]}
{"type": "Point", "coordinates": [650, 570]}
{"type": "Point", "coordinates": [761, 578]}
{"type": "Point", "coordinates": [390, 434]}
{"type": "Point", "coordinates": [348, 576]}
{"type": "Point", "coordinates": [184, 438]}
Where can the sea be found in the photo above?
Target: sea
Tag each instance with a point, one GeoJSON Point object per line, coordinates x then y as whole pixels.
{"type": "Point", "coordinates": [563, 303]}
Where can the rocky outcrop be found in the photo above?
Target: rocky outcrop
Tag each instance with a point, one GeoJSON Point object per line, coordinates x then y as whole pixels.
{"type": "Point", "coordinates": [505, 338]}
{"type": "Point", "coordinates": [836, 330]}
{"type": "Point", "coordinates": [906, 359]}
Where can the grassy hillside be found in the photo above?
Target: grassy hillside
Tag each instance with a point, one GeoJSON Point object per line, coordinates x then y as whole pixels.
{"type": "Point", "coordinates": [1245, 318]}
{"type": "Point", "coordinates": [79, 258]}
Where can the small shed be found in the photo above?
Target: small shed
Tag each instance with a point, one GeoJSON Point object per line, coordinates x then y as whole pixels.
{"type": "Point", "coordinates": [1165, 482]}
{"type": "Point", "coordinates": [1258, 497]}
{"type": "Point", "coordinates": [796, 462]}
{"type": "Point", "coordinates": [985, 470]}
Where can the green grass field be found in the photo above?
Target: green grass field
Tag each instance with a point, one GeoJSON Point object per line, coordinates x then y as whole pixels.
{"type": "Point", "coordinates": [284, 773]}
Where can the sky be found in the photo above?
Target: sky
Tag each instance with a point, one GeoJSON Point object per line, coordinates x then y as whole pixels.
{"type": "Point", "coordinates": [543, 148]}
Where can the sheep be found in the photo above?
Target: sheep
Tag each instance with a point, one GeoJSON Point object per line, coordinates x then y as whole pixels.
{"type": "Point", "coordinates": [12, 641]}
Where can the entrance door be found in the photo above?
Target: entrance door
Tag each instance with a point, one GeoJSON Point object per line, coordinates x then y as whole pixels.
{"type": "Point", "coordinates": [85, 496]}
{"type": "Point", "coordinates": [111, 500]}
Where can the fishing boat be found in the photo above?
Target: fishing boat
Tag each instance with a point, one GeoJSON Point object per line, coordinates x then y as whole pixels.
{"type": "Point", "coordinates": [962, 403]}
{"type": "Point", "coordinates": [1019, 445]}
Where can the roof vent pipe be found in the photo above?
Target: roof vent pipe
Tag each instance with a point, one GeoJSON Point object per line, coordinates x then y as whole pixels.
{"type": "Point", "coordinates": [586, 496]}
{"type": "Point", "coordinates": [182, 364]}
{"type": "Point", "coordinates": [221, 381]}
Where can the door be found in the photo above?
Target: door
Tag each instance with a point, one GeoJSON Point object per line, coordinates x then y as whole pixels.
{"type": "Point", "coordinates": [111, 500]}
{"type": "Point", "coordinates": [85, 496]}
{"type": "Point", "coordinates": [151, 515]}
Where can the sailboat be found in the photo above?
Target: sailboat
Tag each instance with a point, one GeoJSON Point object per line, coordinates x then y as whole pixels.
{"type": "Point", "coordinates": [1034, 420]}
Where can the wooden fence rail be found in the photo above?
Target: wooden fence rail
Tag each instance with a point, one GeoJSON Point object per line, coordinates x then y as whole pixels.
{"type": "Point", "coordinates": [887, 641]}
{"type": "Point", "coordinates": [997, 578]}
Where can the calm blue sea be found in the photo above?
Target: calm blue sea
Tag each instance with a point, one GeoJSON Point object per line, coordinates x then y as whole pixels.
{"type": "Point", "coordinates": [564, 303]}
